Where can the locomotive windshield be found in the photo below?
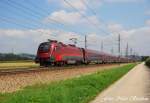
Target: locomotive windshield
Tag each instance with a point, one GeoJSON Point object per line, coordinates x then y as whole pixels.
{"type": "Point", "coordinates": [44, 47]}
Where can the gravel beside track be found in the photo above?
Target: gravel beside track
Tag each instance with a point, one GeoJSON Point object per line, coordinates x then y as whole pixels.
{"type": "Point", "coordinates": [16, 80]}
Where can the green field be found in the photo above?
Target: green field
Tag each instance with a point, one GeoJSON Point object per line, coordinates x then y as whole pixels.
{"type": "Point", "coordinates": [76, 90]}
{"type": "Point", "coordinates": [17, 64]}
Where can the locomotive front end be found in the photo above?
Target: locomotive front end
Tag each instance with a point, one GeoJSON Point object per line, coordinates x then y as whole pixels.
{"type": "Point", "coordinates": [44, 53]}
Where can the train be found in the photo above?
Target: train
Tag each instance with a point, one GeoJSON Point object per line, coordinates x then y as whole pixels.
{"type": "Point", "coordinates": [57, 53]}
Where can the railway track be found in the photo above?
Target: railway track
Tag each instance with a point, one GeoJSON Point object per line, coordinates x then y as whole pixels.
{"type": "Point", "coordinates": [12, 80]}
{"type": "Point", "coordinates": [18, 71]}
{"type": "Point", "coordinates": [42, 69]}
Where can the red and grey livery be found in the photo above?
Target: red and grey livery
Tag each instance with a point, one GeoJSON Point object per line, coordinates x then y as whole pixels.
{"type": "Point", "coordinates": [58, 53]}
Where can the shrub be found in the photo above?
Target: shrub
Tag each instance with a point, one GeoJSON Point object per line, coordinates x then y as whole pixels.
{"type": "Point", "coordinates": [147, 62]}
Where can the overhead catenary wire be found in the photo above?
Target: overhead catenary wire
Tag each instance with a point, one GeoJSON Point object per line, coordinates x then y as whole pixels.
{"type": "Point", "coordinates": [93, 12]}
{"type": "Point", "coordinates": [33, 13]}
{"type": "Point", "coordinates": [21, 9]}
{"type": "Point", "coordinates": [24, 26]}
{"type": "Point", "coordinates": [22, 21]}
{"type": "Point", "coordinates": [84, 16]}
{"type": "Point", "coordinates": [30, 27]}
{"type": "Point", "coordinates": [106, 24]}
{"type": "Point", "coordinates": [28, 10]}
{"type": "Point", "coordinates": [14, 22]}
{"type": "Point", "coordinates": [86, 4]}
{"type": "Point", "coordinates": [18, 24]}
{"type": "Point", "coordinates": [45, 12]}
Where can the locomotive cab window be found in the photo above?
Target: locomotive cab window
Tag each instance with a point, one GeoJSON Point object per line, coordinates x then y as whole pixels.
{"type": "Point", "coordinates": [44, 47]}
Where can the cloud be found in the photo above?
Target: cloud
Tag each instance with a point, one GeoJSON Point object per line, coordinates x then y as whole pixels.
{"type": "Point", "coordinates": [65, 4]}
{"type": "Point", "coordinates": [114, 27]}
{"type": "Point", "coordinates": [137, 38]}
{"type": "Point", "coordinates": [72, 18]}
{"type": "Point", "coordinates": [147, 13]}
{"type": "Point", "coordinates": [78, 4]}
{"type": "Point", "coordinates": [27, 41]}
{"type": "Point", "coordinates": [13, 33]}
{"type": "Point", "coordinates": [83, 5]}
{"type": "Point", "coordinates": [64, 17]}
{"type": "Point", "coordinates": [147, 22]}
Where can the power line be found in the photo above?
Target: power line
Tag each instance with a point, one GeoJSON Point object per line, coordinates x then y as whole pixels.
{"type": "Point", "coordinates": [86, 4]}
{"type": "Point", "coordinates": [92, 11]}
{"type": "Point", "coordinates": [24, 11]}
{"type": "Point", "coordinates": [85, 17]}
{"type": "Point", "coordinates": [13, 22]}
{"type": "Point", "coordinates": [27, 10]}
{"type": "Point", "coordinates": [31, 12]}
{"type": "Point", "coordinates": [45, 12]}
{"type": "Point", "coordinates": [65, 1]}
{"type": "Point", "coordinates": [24, 26]}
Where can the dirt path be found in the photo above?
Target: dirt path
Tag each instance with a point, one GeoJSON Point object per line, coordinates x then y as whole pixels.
{"type": "Point", "coordinates": [10, 83]}
{"type": "Point", "coordinates": [134, 87]}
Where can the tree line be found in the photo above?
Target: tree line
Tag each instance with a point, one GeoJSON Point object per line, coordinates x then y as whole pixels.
{"type": "Point", "coordinates": [15, 57]}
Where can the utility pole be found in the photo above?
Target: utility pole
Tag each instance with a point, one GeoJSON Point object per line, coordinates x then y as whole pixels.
{"type": "Point", "coordinates": [119, 39]}
{"type": "Point", "coordinates": [12, 50]}
{"type": "Point", "coordinates": [131, 51]}
{"type": "Point", "coordinates": [85, 40]}
{"type": "Point", "coordinates": [102, 46]}
{"type": "Point", "coordinates": [112, 51]}
{"type": "Point", "coordinates": [127, 49]}
{"type": "Point", "coordinates": [119, 44]}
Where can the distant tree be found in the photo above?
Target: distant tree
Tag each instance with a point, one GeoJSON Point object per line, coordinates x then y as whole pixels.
{"type": "Point", "coordinates": [13, 57]}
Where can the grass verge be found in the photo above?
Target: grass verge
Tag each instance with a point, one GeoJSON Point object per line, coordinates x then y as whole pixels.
{"type": "Point", "coordinates": [76, 90]}
{"type": "Point", "coordinates": [16, 61]}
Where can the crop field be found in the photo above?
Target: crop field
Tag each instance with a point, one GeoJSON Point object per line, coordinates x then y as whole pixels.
{"type": "Point", "coordinates": [17, 64]}
{"type": "Point", "coordinates": [77, 90]}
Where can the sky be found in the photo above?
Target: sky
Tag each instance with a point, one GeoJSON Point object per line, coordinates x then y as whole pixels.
{"type": "Point", "coordinates": [24, 24]}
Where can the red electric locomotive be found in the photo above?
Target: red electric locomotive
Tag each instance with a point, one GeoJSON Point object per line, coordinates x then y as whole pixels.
{"type": "Point", "coordinates": [57, 53]}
